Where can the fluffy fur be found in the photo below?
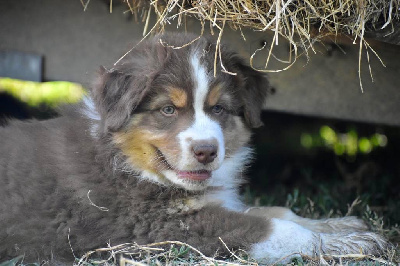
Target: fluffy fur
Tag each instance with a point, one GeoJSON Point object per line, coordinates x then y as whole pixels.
{"type": "Point", "coordinates": [160, 143]}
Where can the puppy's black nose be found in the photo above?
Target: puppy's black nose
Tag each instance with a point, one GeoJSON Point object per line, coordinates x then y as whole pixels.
{"type": "Point", "coordinates": [204, 152]}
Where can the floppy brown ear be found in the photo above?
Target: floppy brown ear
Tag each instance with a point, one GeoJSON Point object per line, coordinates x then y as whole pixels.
{"type": "Point", "coordinates": [256, 87]}
{"type": "Point", "coordinates": [118, 91]}
{"type": "Point", "coordinates": [116, 95]}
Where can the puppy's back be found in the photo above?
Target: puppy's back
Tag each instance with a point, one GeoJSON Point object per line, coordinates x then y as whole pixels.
{"type": "Point", "coordinates": [39, 163]}
{"type": "Point", "coordinates": [30, 149]}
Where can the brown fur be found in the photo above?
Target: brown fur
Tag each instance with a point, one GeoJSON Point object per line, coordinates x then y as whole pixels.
{"type": "Point", "coordinates": [214, 95]}
{"type": "Point", "coordinates": [139, 146]}
{"type": "Point", "coordinates": [178, 97]}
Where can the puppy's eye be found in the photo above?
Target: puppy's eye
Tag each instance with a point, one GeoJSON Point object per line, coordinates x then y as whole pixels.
{"type": "Point", "coordinates": [217, 109]}
{"type": "Point", "coordinates": [168, 110]}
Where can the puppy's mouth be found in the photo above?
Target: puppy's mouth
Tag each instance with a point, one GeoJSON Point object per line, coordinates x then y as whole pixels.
{"type": "Point", "coordinates": [196, 175]}
{"type": "Point", "coordinates": [199, 175]}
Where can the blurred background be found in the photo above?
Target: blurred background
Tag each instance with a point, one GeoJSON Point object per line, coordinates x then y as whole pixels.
{"type": "Point", "coordinates": [325, 143]}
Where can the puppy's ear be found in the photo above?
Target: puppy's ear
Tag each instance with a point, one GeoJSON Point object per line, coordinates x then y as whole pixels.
{"type": "Point", "coordinates": [256, 87]}
{"type": "Point", "coordinates": [117, 94]}
{"type": "Point", "coordinates": [118, 91]}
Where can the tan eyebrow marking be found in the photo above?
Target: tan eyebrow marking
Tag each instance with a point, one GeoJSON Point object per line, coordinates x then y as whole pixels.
{"type": "Point", "coordinates": [214, 95]}
{"type": "Point", "coordinates": [178, 97]}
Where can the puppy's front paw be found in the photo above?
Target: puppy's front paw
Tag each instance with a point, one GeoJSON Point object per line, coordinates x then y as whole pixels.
{"type": "Point", "coordinates": [288, 239]}
{"type": "Point", "coordinates": [353, 243]}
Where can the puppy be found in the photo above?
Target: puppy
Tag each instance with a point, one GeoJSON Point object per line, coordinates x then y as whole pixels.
{"type": "Point", "coordinates": [156, 153]}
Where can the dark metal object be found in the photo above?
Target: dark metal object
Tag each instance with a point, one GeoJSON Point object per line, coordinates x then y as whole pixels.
{"type": "Point", "coordinates": [20, 65]}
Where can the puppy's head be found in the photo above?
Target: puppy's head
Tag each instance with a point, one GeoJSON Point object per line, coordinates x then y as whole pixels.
{"type": "Point", "coordinates": [175, 123]}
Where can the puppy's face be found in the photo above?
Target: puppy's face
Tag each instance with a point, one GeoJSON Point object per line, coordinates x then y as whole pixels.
{"type": "Point", "coordinates": [178, 123]}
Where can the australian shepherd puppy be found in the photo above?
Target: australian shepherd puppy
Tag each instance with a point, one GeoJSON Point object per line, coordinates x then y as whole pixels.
{"type": "Point", "coordinates": [156, 153]}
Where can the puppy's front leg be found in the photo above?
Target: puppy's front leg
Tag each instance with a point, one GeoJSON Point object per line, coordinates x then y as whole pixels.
{"type": "Point", "coordinates": [286, 240]}
{"type": "Point", "coordinates": [300, 236]}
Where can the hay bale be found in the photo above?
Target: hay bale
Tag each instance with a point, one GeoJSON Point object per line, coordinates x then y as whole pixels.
{"type": "Point", "coordinates": [301, 23]}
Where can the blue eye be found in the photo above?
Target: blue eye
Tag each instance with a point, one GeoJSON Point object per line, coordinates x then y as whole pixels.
{"type": "Point", "coordinates": [168, 110]}
{"type": "Point", "coordinates": [217, 109]}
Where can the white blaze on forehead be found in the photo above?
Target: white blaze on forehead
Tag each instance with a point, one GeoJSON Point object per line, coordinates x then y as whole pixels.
{"type": "Point", "coordinates": [203, 128]}
{"type": "Point", "coordinates": [201, 85]}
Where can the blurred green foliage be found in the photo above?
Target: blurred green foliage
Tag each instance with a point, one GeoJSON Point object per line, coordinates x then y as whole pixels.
{"type": "Point", "coordinates": [325, 164]}
{"type": "Point", "coordinates": [349, 143]}
{"type": "Point", "coordinates": [51, 93]}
